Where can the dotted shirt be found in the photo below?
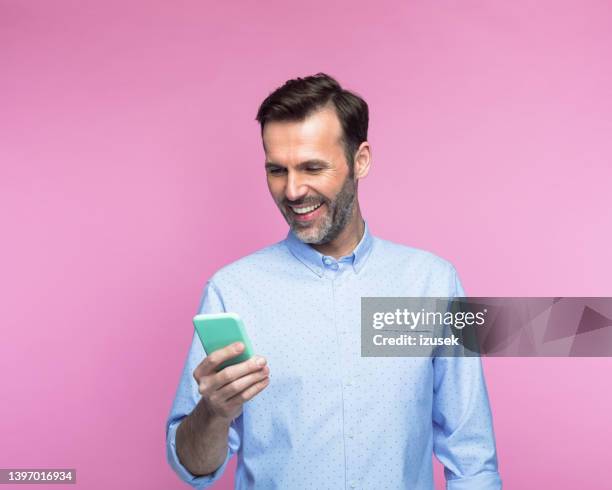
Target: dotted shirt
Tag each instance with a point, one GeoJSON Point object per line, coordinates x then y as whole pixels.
{"type": "Point", "coordinates": [330, 418]}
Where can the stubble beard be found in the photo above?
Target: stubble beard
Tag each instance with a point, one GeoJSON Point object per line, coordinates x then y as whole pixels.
{"type": "Point", "coordinates": [338, 214]}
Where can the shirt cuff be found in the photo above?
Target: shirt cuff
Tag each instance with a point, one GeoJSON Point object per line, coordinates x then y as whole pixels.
{"type": "Point", "coordinates": [483, 481]}
{"type": "Point", "coordinates": [197, 482]}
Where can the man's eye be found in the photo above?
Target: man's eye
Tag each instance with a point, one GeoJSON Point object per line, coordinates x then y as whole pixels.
{"type": "Point", "coordinates": [276, 171]}
{"type": "Point", "coordinates": [314, 169]}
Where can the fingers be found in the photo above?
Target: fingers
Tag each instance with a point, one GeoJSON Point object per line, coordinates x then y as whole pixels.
{"type": "Point", "coordinates": [243, 383]}
{"type": "Point", "coordinates": [250, 392]}
{"type": "Point", "coordinates": [224, 392]}
{"type": "Point", "coordinates": [232, 373]}
{"type": "Point", "coordinates": [210, 363]}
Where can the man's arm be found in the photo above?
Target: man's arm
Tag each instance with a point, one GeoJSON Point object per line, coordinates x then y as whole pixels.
{"type": "Point", "coordinates": [202, 436]}
{"type": "Point", "coordinates": [202, 441]}
{"type": "Point", "coordinates": [185, 403]}
{"type": "Point", "coordinates": [464, 440]}
{"type": "Point", "coordinates": [184, 406]}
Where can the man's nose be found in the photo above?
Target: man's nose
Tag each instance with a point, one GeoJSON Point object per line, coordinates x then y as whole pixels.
{"type": "Point", "coordinates": [296, 188]}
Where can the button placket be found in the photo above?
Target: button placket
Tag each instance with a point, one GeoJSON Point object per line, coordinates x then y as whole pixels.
{"type": "Point", "coordinates": [349, 382]}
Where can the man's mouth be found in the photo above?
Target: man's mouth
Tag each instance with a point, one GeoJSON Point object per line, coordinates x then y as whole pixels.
{"type": "Point", "coordinates": [306, 213]}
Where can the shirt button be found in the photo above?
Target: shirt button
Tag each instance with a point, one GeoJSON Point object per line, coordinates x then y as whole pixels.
{"type": "Point", "coordinates": [334, 266]}
{"type": "Point", "coordinates": [353, 484]}
{"type": "Point", "coordinates": [349, 383]}
{"type": "Point", "coordinates": [326, 261]}
{"type": "Point", "coordinates": [351, 436]}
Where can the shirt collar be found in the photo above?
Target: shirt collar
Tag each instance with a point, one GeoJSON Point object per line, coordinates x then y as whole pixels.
{"type": "Point", "coordinates": [313, 259]}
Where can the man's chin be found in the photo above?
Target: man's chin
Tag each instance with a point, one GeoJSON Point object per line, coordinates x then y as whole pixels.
{"type": "Point", "coordinates": [305, 236]}
{"type": "Point", "coordinates": [308, 234]}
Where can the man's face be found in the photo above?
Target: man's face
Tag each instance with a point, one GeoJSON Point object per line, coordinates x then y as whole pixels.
{"type": "Point", "coordinates": [308, 175]}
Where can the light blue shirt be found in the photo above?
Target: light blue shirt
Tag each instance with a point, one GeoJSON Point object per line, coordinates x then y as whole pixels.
{"type": "Point", "coordinates": [330, 418]}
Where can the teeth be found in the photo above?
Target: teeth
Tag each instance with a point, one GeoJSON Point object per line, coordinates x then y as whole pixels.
{"type": "Point", "coordinates": [309, 209]}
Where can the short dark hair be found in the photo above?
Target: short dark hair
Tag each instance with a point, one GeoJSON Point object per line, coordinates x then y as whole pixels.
{"type": "Point", "coordinates": [300, 97]}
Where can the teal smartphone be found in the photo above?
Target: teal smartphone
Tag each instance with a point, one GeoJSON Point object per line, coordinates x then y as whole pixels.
{"type": "Point", "coordinates": [219, 330]}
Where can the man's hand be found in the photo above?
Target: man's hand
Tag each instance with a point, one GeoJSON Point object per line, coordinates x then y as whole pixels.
{"type": "Point", "coordinates": [224, 392]}
{"type": "Point", "coordinates": [202, 436]}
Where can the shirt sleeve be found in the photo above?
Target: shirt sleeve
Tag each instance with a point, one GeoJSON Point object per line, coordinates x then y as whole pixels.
{"type": "Point", "coordinates": [188, 396]}
{"type": "Point", "coordinates": [463, 437]}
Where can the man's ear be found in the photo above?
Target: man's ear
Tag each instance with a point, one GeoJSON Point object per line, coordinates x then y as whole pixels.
{"type": "Point", "coordinates": [363, 160]}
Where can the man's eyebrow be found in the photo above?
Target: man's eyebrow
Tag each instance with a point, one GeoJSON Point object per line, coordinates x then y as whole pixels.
{"type": "Point", "coordinates": [301, 165]}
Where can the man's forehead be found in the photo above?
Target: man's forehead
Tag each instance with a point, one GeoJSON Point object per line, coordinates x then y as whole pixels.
{"type": "Point", "coordinates": [321, 130]}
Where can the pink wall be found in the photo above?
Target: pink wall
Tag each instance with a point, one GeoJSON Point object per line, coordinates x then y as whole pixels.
{"type": "Point", "coordinates": [131, 169]}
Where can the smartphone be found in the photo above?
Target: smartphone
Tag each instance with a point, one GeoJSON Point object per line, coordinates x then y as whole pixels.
{"type": "Point", "coordinates": [219, 330]}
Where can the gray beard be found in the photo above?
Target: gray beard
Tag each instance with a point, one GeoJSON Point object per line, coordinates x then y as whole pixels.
{"type": "Point", "coordinates": [340, 211]}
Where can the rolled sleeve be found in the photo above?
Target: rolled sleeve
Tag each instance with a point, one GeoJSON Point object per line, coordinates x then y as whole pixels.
{"type": "Point", "coordinates": [195, 481]}
{"type": "Point", "coordinates": [483, 481]}
{"type": "Point", "coordinates": [187, 397]}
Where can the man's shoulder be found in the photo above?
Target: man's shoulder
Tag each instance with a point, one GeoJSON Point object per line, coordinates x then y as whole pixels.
{"type": "Point", "coordinates": [254, 264]}
{"type": "Point", "coordinates": [398, 254]}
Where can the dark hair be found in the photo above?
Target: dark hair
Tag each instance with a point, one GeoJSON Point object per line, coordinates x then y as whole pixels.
{"type": "Point", "coordinates": [300, 97]}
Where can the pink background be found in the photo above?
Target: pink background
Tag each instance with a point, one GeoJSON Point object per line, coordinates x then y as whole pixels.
{"type": "Point", "coordinates": [132, 169]}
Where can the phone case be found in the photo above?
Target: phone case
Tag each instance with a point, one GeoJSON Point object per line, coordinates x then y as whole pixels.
{"type": "Point", "coordinates": [219, 330]}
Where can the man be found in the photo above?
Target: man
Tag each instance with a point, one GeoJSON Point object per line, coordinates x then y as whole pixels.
{"type": "Point", "coordinates": [313, 413]}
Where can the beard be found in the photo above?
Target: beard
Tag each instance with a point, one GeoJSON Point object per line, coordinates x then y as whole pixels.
{"type": "Point", "coordinates": [325, 228]}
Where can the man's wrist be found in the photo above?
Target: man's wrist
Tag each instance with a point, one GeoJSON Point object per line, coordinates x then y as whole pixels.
{"type": "Point", "coordinates": [203, 417]}
{"type": "Point", "coordinates": [199, 426]}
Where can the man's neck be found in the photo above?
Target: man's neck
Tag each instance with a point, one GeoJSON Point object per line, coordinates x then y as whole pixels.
{"type": "Point", "coordinates": [347, 240]}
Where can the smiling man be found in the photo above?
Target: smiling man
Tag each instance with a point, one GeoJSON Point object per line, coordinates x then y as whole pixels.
{"type": "Point", "coordinates": [314, 187]}
{"type": "Point", "coordinates": [314, 413]}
